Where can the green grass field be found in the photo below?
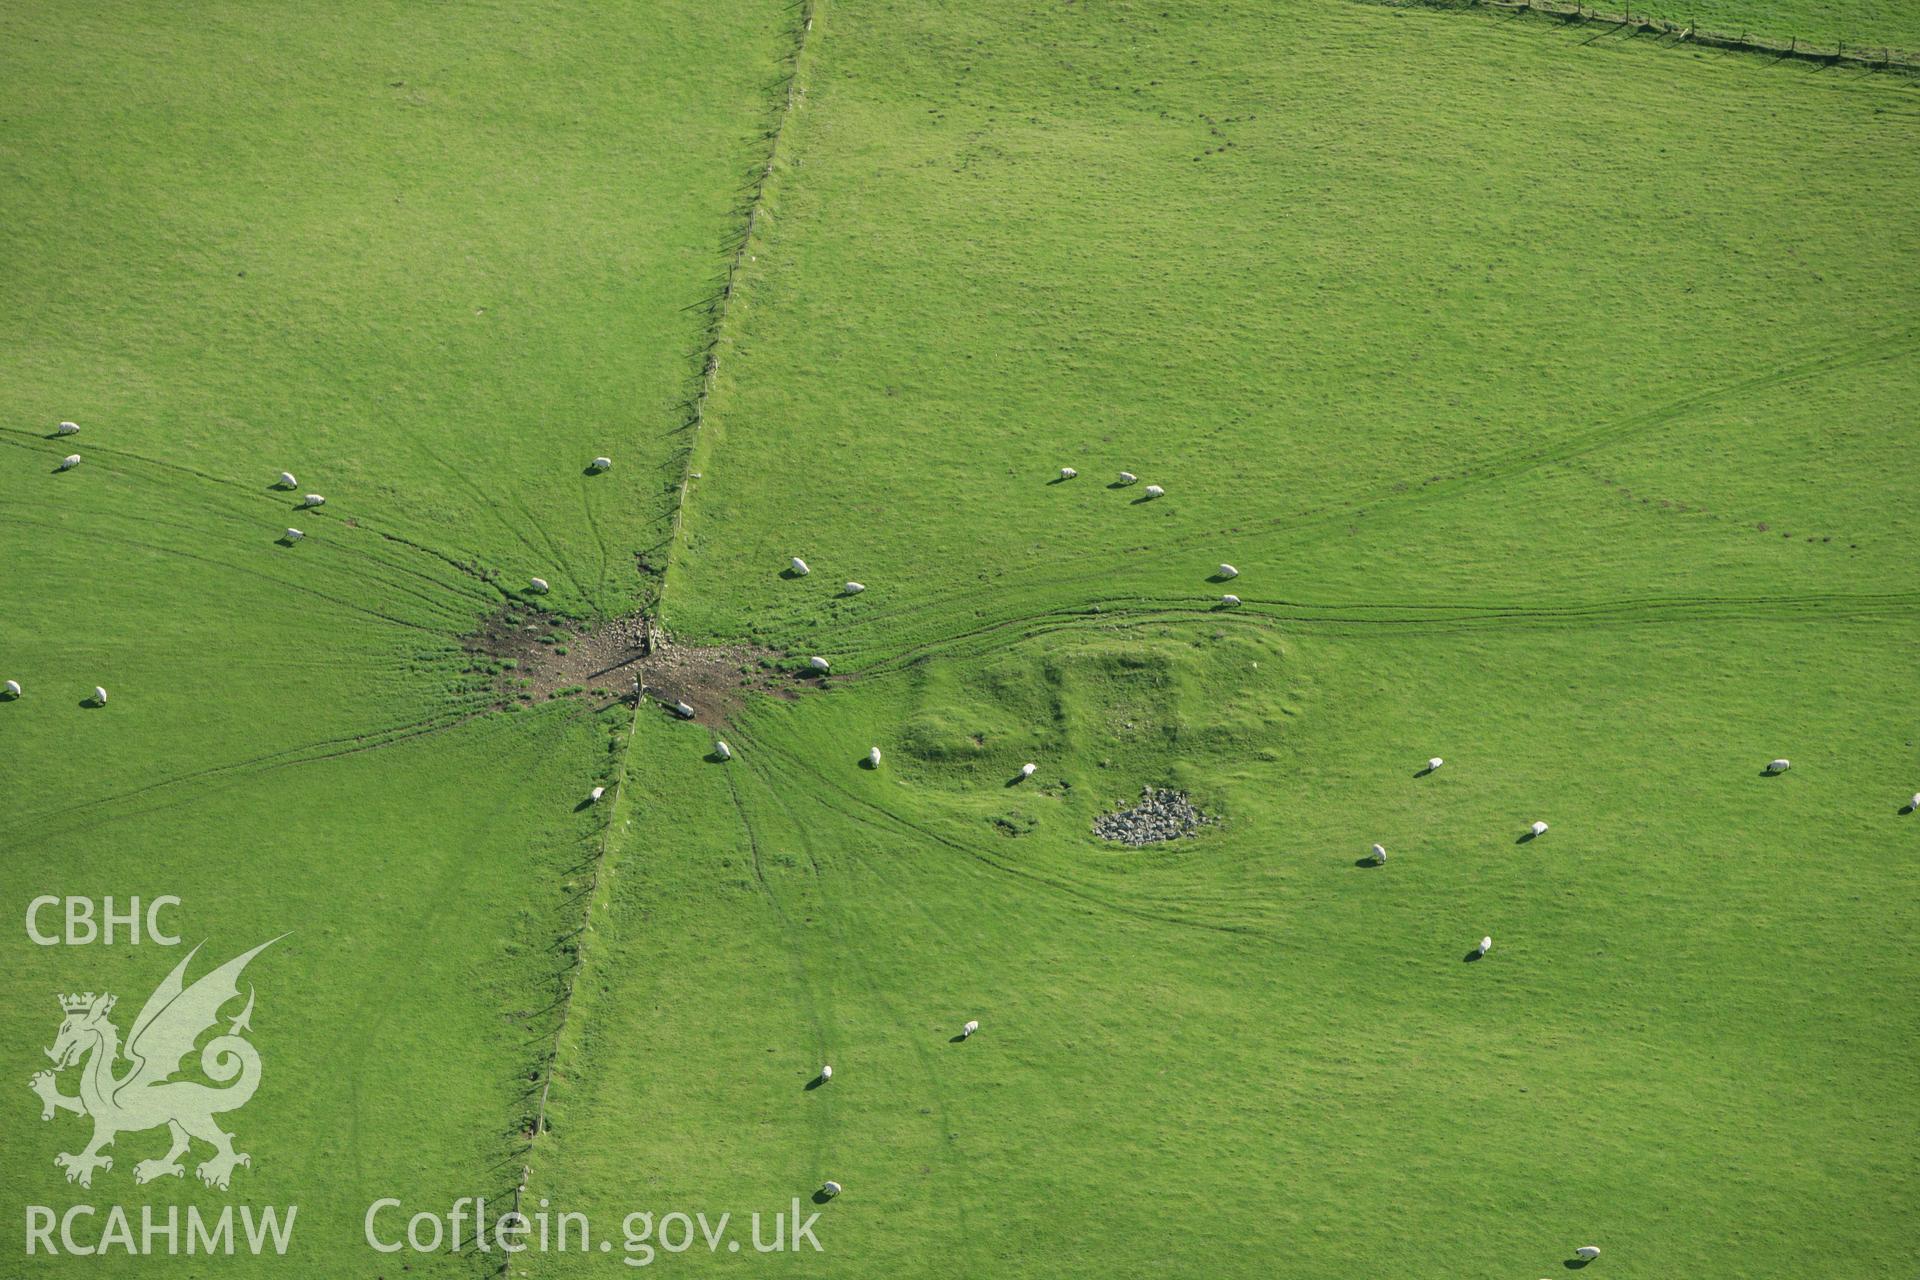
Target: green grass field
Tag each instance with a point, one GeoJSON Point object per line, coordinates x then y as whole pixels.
{"type": "Point", "coordinates": [1552, 395]}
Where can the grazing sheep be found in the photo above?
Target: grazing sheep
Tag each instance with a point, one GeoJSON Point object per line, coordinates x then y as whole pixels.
{"type": "Point", "coordinates": [826, 1073]}
{"type": "Point", "coordinates": [1068, 473]}
{"type": "Point", "coordinates": [873, 757]}
{"type": "Point", "coordinates": [682, 710]}
{"type": "Point", "coordinates": [1538, 828]}
{"type": "Point", "coordinates": [69, 462]}
{"type": "Point", "coordinates": [1587, 1251]}
{"type": "Point", "coordinates": [595, 794]}
{"type": "Point", "coordinates": [13, 688]}
{"type": "Point", "coordinates": [1913, 805]}
{"type": "Point", "coordinates": [1379, 853]}
{"type": "Point", "coordinates": [286, 481]}
{"type": "Point", "coordinates": [602, 464]}
{"type": "Point", "coordinates": [854, 588]}
{"type": "Point", "coordinates": [969, 1029]}
{"type": "Point", "coordinates": [722, 751]}
{"type": "Point", "coordinates": [799, 566]}
{"type": "Point", "coordinates": [1154, 491]}
{"type": "Point", "coordinates": [1229, 599]}
{"type": "Point", "coordinates": [1026, 770]}
{"type": "Point", "coordinates": [67, 429]}
{"type": "Point", "coordinates": [1486, 944]}
{"type": "Point", "coordinates": [312, 500]}
{"type": "Point", "coordinates": [292, 535]}
{"type": "Point", "coordinates": [1434, 763]}
{"type": "Point", "coordinates": [99, 695]}
{"type": "Point", "coordinates": [537, 585]}
{"type": "Point", "coordinates": [1779, 766]}
{"type": "Point", "coordinates": [1127, 477]}
{"type": "Point", "coordinates": [829, 1188]}
{"type": "Point", "coordinates": [818, 663]}
{"type": "Point", "coordinates": [1226, 571]}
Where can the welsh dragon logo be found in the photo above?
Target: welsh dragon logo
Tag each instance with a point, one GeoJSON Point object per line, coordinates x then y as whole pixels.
{"type": "Point", "coordinates": [145, 1095]}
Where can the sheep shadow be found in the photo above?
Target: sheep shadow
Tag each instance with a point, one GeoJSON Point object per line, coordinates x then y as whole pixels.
{"type": "Point", "coordinates": [1145, 497]}
{"type": "Point", "coordinates": [1121, 484]}
{"type": "Point", "coordinates": [1527, 837]}
{"type": "Point", "coordinates": [284, 541]}
{"type": "Point", "coordinates": [714, 757]}
{"type": "Point", "coordinates": [584, 805]}
{"type": "Point", "coordinates": [90, 703]}
{"type": "Point", "coordinates": [1015, 780]}
{"type": "Point", "coordinates": [277, 487]}
{"type": "Point", "coordinates": [866, 762]}
{"type": "Point", "coordinates": [822, 1196]}
{"type": "Point", "coordinates": [790, 573]}
{"type": "Point", "coordinates": [590, 470]}
{"type": "Point", "coordinates": [1221, 577]}
{"type": "Point", "coordinates": [1772, 773]}
{"type": "Point", "coordinates": [1903, 810]}
{"type": "Point", "coordinates": [1422, 772]}
{"type": "Point", "coordinates": [1368, 861]}
{"type": "Point", "coordinates": [960, 1038]}
{"type": "Point", "coordinates": [813, 1084]}
{"type": "Point", "coordinates": [1576, 1264]}
{"type": "Point", "coordinates": [1473, 957]}
{"type": "Point", "coordinates": [59, 470]}
{"type": "Point", "coordinates": [1060, 479]}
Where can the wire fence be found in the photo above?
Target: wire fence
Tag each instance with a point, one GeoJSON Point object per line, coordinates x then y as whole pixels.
{"type": "Point", "coordinates": [1883, 57]}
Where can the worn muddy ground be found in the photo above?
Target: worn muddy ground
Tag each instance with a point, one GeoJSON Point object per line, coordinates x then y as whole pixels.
{"type": "Point", "coordinates": [535, 656]}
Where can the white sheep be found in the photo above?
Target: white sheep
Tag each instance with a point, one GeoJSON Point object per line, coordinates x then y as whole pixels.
{"type": "Point", "coordinates": [312, 500]}
{"type": "Point", "coordinates": [1127, 477]}
{"type": "Point", "coordinates": [873, 757]}
{"type": "Point", "coordinates": [1154, 491]}
{"type": "Point", "coordinates": [1027, 769]}
{"type": "Point", "coordinates": [1434, 762]}
{"type": "Point", "coordinates": [1587, 1251]}
{"type": "Point", "coordinates": [594, 795]}
{"type": "Point", "coordinates": [602, 464]}
{"type": "Point", "coordinates": [829, 1188]}
{"type": "Point", "coordinates": [799, 566]}
{"type": "Point", "coordinates": [1913, 805]}
{"type": "Point", "coordinates": [1486, 944]}
{"type": "Point", "coordinates": [1538, 828]}
{"type": "Point", "coordinates": [538, 585]}
{"type": "Point", "coordinates": [971, 1027]}
{"type": "Point", "coordinates": [722, 751]}
{"type": "Point", "coordinates": [1779, 766]}
{"type": "Point", "coordinates": [682, 710]}
{"type": "Point", "coordinates": [826, 1072]}
{"type": "Point", "coordinates": [818, 663]}
{"type": "Point", "coordinates": [13, 688]}
{"type": "Point", "coordinates": [1229, 599]}
{"type": "Point", "coordinates": [69, 462]}
{"type": "Point", "coordinates": [99, 695]}
{"type": "Point", "coordinates": [1379, 853]}
{"type": "Point", "coordinates": [1226, 571]}
{"type": "Point", "coordinates": [67, 429]}
{"type": "Point", "coordinates": [1068, 473]}
{"type": "Point", "coordinates": [286, 481]}
{"type": "Point", "coordinates": [854, 588]}
{"type": "Point", "coordinates": [292, 535]}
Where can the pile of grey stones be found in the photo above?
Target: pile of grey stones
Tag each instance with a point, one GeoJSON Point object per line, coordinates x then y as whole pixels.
{"type": "Point", "coordinates": [1160, 815]}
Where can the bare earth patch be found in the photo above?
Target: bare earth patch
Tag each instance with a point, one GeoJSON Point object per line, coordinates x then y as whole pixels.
{"type": "Point", "coordinates": [540, 656]}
